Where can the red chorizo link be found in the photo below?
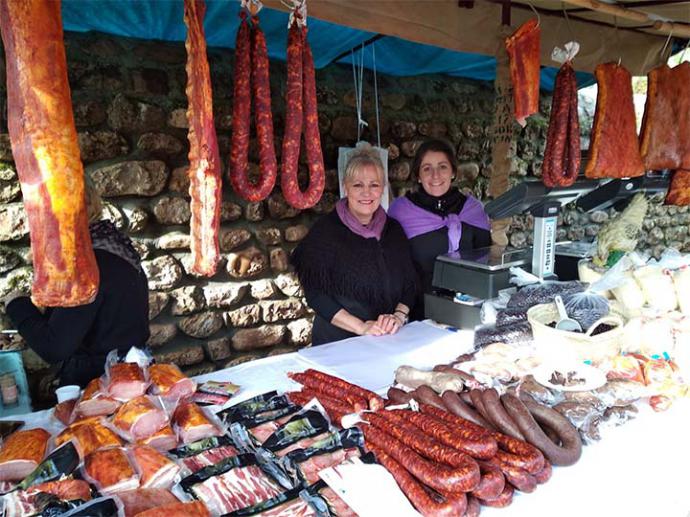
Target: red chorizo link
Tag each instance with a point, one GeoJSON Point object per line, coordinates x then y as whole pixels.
{"type": "Point", "coordinates": [435, 475]}
{"type": "Point", "coordinates": [557, 132]}
{"type": "Point", "coordinates": [335, 408]}
{"type": "Point", "coordinates": [501, 501]}
{"type": "Point", "coordinates": [492, 481]}
{"type": "Point", "coordinates": [468, 429]}
{"type": "Point", "coordinates": [398, 396]}
{"type": "Point", "coordinates": [358, 403]}
{"type": "Point", "coordinates": [457, 406]}
{"type": "Point", "coordinates": [544, 474]}
{"type": "Point", "coordinates": [473, 507]}
{"type": "Point", "coordinates": [519, 478]}
{"type": "Point", "coordinates": [498, 415]}
{"type": "Point", "coordinates": [375, 401]}
{"type": "Point", "coordinates": [394, 424]}
{"type": "Point", "coordinates": [482, 447]}
{"type": "Point", "coordinates": [453, 505]}
{"type": "Point", "coordinates": [519, 453]}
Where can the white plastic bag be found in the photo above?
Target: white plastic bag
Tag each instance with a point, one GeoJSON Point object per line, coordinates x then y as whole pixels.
{"type": "Point", "coordinates": [657, 286]}
{"type": "Point", "coordinates": [681, 282]}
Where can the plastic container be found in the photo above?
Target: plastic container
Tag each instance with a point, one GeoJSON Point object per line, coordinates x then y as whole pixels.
{"type": "Point", "coordinates": [68, 392]}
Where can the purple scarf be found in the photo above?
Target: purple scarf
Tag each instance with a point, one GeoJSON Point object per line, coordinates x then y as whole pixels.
{"type": "Point", "coordinates": [415, 220]}
{"type": "Point", "coordinates": [373, 229]}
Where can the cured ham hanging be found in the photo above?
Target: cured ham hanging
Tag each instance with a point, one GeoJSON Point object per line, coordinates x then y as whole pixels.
{"type": "Point", "coordinates": [523, 48]}
{"type": "Point", "coordinates": [301, 113]}
{"type": "Point", "coordinates": [252, 80]}
{"type": "Point", "coordinates": [205, 186]}
{"type": "Point", "coordinates": [46, 153]}
{"type": "Point", "coordinates": [614, 150]}
{"type": "Point", "coordinates": [665, 133]}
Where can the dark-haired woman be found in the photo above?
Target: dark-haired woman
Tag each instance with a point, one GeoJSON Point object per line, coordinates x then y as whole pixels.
{"type": "Point", "coordinates": [436, 217]}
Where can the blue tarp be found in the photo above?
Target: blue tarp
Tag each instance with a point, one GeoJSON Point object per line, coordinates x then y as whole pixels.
{"type": "Point", "coordinates": [163, 20]}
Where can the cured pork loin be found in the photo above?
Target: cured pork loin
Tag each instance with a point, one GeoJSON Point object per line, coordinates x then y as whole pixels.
{"type": "Point", "coordinates": [178, 509]}
{"type": "Point", "coordinates": [45, 150]}
{"type": "Point", "coordinates": [665, 133]}
{"type": "Point", "coordinates": [192, 424]}
{"type": "Point", "coordinates": [21, 453]}
{"type": "Point", "coordinates": [29, 502]}
{"type": "Point", "coordinates": [141, 499]}
{"type": "Point", "coordinates": [140, 418]}
{"type": "Point", "coordinates": [95, 401]}
{"type": "Point", "coordinates": [614, 149]}
{"type": "Point", "coordinates": [208, 457]}
{"type": "Point", "coordinates": [523, 48]}
{"type": "Point", "coordinates": [64, 411]}
{"type": "Point", "coordinates": [126, 381]}
{"type": "Point", "coordinates": [155, 469]}
{"type": "Point", "coordinates": [169, 382]}
{"type": "Point", "coordinates": [163, 440]}
{"type": "Point", "coordinates": [111, 470]}
{"type": "Point", "coordinates": [88, 435]}
{"type": "Point", "coordinates": [205, 180]}
{"type": "Point", "coordinates": [679, 191]}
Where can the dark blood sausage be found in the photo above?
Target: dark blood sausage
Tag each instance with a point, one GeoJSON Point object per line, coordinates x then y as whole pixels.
{"type": "Point", "coordinates": [425, 395]}
{"type": "Point", "coordinates": [321, 387]}
{"type": "Point", "coordinates": [440, 477]}
{"type": "Point", "coordinates": [519, 453]}
{"type": "Point", "coordinates": [467, 398]}
{"type": "Point", "coordinates": [491, 483]}
{"type": "Point", "coordinates": [544, 474]}
{"type": "Point", "coordinates": [473, 507]}
{"type": "Point", "coordinates": [502, 500]}
{"type": "Point", "coordinates": [251, 69]}
{"type": "Point", "coordinates": [498, 415]}
{"type": "Point", "coordinates": [553, 435]}
{"type": "Point", "coordinates": [471, 438]}
{"type": "Point", "coordinates": [519, 478]}
{"type": "Point", "coordinates": [396, 425]}
{"type": "Point", "coordinates": [301, 111]}
{"type": "Point", "coordinates": [572, 166]}
{"type": "Point", "coordinates": [457, 406]}
{"type": "Point", "coordinates": [557, 133]}
{"type": "Point", "coordinates": [482, 448]}
{"type": "Point", "coordinates": [478, 403]}
{"type": "Point", "coordinates": [374, 400]}
{"type": "Point", "coordinates": [524, 414]}
{"type": "Point", "coordinates": [452, 506]}
{"type": "Point", "coordinates": [398, 396]}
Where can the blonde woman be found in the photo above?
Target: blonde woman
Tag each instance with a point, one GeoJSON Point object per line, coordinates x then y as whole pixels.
{"type": "Point", "coordinates": [355, 264]}
{"type": "Point", "coordinates": [78, 338]}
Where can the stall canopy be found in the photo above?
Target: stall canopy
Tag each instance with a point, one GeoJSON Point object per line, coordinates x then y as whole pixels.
{"type": "Point", "coordinates": [457, 38]}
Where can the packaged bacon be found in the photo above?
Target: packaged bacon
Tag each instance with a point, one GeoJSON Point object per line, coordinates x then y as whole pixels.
{"type": "Point", "coordinates": [233, 484]}
{"type": "Point", "coordinates": [51, 498]}
{"type": "Point", "coordinates": [88, 435]}
{"type": "Point", "coordinates": [142, 499]}
{"type": "Point", "coordinates": [192, 423]}
{"type": "Point", "coordinates": [140, 418]}
{"type": "Point", "coordinates": [214, 393]}
{"type": "Point", "coordinates": [22, 452]}
{"type": "Point", "coordinates": [60, 463]}
{"type": "Point", "coordinates": [305, 464]}
{"type": "Point", "coordinates": [293, 502]}
{"type": "Point", "coordinates": [204, 453]}
{"type": "Point", "coordinates": [169, 382]}
{"type": "Point", "coordinates": [125, 377]}
{"type": "Point", "coordinates": [178, 509]}
{"type": "Point", "coordinates": [301, 431]}
{"type": "Point", "coordinates": [163, 440]}
{"type": "Point", "coordinates": [336, 506]}
{"type": "Point", "coordinates": [95, 401]}
{"type": "Point", "coordinates": [155, 469]}
{"type": "Point", "coordinates": [110, 470]}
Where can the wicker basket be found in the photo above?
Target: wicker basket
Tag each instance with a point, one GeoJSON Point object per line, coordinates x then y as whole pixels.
{"type": "Point", "coordinates": [563, 346]}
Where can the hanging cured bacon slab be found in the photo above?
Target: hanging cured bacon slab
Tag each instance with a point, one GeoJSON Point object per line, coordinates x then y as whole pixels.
{"type": "Point", "coordinates": [523, 48]}
{"type": "Point", "coordinates": [679, 191]}
{"type": "Point", "coordinates": [205, 185]}
{"type": "Point", "coordinates": [45, 150]}
{"type": "Point", "coordinates": [21, 453]}
{"type": "Point", "coordinates": [614, 149]}
{"type": "Point", "coordinates": [665, 133]}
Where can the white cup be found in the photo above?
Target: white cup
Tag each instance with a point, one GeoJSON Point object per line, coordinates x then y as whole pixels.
{"type": "Point", "coordinates": [67, 392]}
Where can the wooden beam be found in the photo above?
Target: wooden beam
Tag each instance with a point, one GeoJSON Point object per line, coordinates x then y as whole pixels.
{"type": "Point", "coordinates": [681, 30]}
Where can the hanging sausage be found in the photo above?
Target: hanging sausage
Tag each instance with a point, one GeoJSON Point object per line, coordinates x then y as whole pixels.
{"type": "Point", "coordinates": [301, 112]}
{"type": "Point", "coordinates": [614, 150]}
{"type": "Point", "coordinates": [45, 150]}
{"type": "Point", "coordinates": [665, 133]}
{"type": "Point", "coordinates": [205, 186]}
{"type": "Point", "coordinates": [523, 50]}
{"type": "Point", "coordinates": [252, 79]}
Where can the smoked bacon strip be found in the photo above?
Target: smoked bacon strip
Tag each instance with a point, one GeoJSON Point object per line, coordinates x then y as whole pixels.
{"type": "Point", "coordinates": [679, 191]}
{"type": "Point", "coordinates": [523, 50]}
{"type": "Point", "coordinates": [45, 150]}
{"type": "Point", "coordinates": [204, 160]}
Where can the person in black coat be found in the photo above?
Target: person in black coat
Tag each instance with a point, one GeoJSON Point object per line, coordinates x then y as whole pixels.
{"type": "Point", "coordinates": [437, 217]}
{"type": "Point", "coordinates": [80, 337]}
{"type": "Point", "coordinates": [355, 264]}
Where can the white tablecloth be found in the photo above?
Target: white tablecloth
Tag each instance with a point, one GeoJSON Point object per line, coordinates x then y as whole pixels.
{"type": "Point", "coordinates": [636, 470]}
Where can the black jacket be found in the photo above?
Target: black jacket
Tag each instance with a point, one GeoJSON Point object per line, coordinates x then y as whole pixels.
{"type": "Point", "coordinates": [339, 269]}
{"type": "Point", "coordinates": [80, 337]}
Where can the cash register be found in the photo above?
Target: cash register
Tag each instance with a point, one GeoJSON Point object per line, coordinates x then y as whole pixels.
{"type": "Point", "coordinates": [462, 281]}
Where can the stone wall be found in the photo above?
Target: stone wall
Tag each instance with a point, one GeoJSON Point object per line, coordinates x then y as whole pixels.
{"type": "Point", "coordinates": [129, 105]}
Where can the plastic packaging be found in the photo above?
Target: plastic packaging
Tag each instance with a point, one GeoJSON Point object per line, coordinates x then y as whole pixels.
{"type": "Point", "coordinates": [155, 470]}
{"type": "Point", "coordinates": [101, 507]}
{"type": "Point", "coordinates": [681, 282]}
{"type": "Point", "coordinates": [517, 334]}
{"type": "Point", "coordinates": [141, 499]}
{"type": "Point", "coordinates": [512, 316]}
{"type": "Point", "coordinates": [192, 423]}
{"type": "Point", "coordinates": [110, 470]}
{"type": "Point", "coordinates": [585, 417]}
{"type": "Point", "coordinates": [535, 291]}
{"type": "Point", "coordinates": [140, 418]}
{"type": "Point", "coordinates": [89, 435]}
{"type": "Point", "coordinates": [168, 381]}
{"type": "Point", "coordinates": [624, 367]}
{"type": "Point", "coordinates": [657, 286]}
{"type": "Point", "coordinates": [308, 424]}
{"type": "Point", "coordinates": [47, 499]}
{"type": "Point", "coordinates": [59, 463]}
{"type": "Point", "coordinates": [615, 416]}
{"type": "Point", "coordinates": [540, 393]}
{"type": "Point", "coordinates": [620, 392]}
{"type": "Point", "coordinates": [586, 308]}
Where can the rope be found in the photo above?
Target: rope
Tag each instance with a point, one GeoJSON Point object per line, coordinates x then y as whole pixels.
{"type": "Point", "coordinates": [670, 34]}
{"type": "Point", "coordinates": [359, 83]}
{"type": "Point", "coordinates": [535, 12]}
{"type": "Point", "coordinates": [376, 95]}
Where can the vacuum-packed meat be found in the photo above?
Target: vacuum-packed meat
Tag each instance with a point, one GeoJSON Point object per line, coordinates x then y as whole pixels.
{"type": "Point", "coordinates": [126, 381]}
{"type": "Point", "coordinates": [46, 152]}
{"type": "Point", "coordinates": [168, 381]}
{"type": "Point", "coordinates": [155, 469]}
{"type": "Point", "coordinates": [29, 502]}
{"type": "Point", "coordinates": [208, 457]}
{"type": "Point", "coordinates": [141, 499]}
{"type": "Point", "coordinates": [140, 418]}
{"type": "Point", "coordinates": [192, 424]}
{"type": "Point", "coordinates": [110, 470]}
{"type": "Point", "coordinates": [21, 453]}
{"type": "Point", "coordinates": [178, 509]}
{"type": "Point", "coordinates": [88, 435]}
{"type": "Point", "coordinates": [163, 440]}
{"type": "Point", "coordinates": [95, 401]}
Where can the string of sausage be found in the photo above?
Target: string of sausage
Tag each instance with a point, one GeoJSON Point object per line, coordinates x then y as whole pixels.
{"type": "Point", "coordinates": [562, 153]}
{"type": "Point", "coordinates": [301, 113]}
{"type": "Point", "coordinates": [319, 381]}
{"type": "Point", "coordinates": [46, 152]}
{"type": "Point", "coordinates": [250, 49]}
{"type": "Point", "coordinates": [205, 178]}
